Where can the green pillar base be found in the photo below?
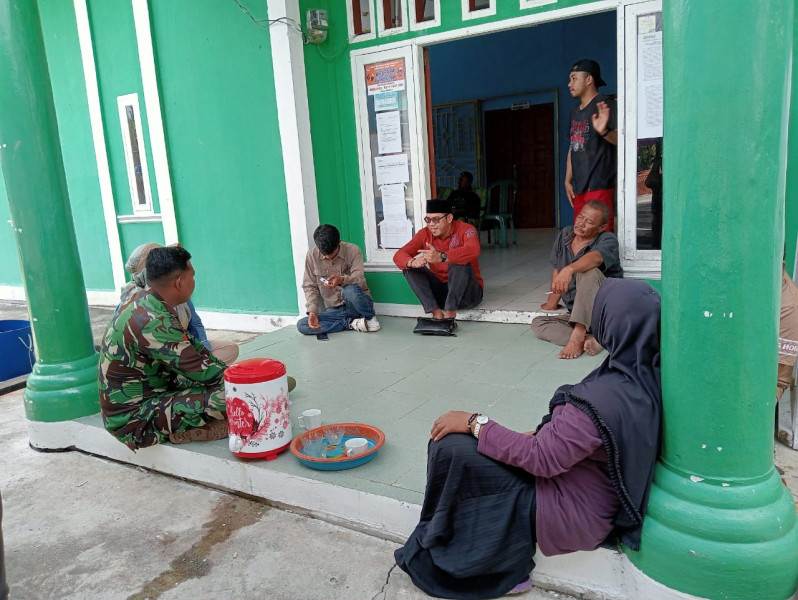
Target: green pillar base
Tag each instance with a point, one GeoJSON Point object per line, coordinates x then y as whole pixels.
{"type": "Point", "coordinates": [63, 391]}
{"type": "Point", "coordinates": [734, 540]}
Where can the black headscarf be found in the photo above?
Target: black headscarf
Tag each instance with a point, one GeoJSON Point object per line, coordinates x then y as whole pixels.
{"type": "Point", "coordinates": [623, 396]}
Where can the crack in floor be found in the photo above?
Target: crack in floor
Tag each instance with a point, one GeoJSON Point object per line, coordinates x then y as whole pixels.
{"type": "Point", "coordinates": [384, 589]}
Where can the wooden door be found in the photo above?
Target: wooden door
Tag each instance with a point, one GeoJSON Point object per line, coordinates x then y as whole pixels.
{"type": "Point", "coordinates": [519, 144]}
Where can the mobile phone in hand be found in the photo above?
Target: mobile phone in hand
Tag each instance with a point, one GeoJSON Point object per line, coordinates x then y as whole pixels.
{"type": "Point", "coordinates": [324, 280]}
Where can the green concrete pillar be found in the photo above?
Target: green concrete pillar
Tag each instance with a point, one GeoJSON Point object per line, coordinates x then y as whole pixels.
{"type": "Point", "coordinates": [791, 200]}
{"type": "Point", "coordinates": [63, 384]}
{"type": "Point", "coordinates": [720, 523]}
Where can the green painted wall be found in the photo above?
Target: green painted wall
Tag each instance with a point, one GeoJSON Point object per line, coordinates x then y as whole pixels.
{"type": "Point", "coordinates": [118, 73]}
{"type": "Point", "coordinates": [9, 265]}
{"type": "Point", "coordinates": [63, 55]}
{"type": "Point", "coordinates": [219, 110]}
{"type": "Point", "coordinates": [332, 115]}
{"type": "Point", "coordinates": [69, 87]}
{"type": "Point", "coordinates": [132, 235]}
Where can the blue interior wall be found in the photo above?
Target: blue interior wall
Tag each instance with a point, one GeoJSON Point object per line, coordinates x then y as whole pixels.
{"type": "Point", "coordinates": [513, 62]}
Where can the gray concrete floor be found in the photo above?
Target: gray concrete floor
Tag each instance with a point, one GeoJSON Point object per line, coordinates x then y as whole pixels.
{"type": "Point", "coordinates": [80, 527]}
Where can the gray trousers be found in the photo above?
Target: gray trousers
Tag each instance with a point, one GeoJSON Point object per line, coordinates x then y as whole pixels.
{"type": "Point", "coordinates": [557, 329]}
{"type": "Point", "coordinates": [461, 291]}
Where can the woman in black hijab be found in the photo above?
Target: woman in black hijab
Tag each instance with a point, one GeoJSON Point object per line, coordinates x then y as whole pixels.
{"type": "Point", "coordinates": [583, 476]}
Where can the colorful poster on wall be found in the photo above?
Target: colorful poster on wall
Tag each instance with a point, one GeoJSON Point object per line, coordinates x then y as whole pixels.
{"type": "Point", "coordinates": [385, 76]}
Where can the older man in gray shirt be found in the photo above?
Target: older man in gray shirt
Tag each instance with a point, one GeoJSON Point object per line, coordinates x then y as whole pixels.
{"type": "Point", "coordinates": [582, 256]}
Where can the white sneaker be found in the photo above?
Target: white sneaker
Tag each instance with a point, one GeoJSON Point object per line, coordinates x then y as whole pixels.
{"type": "Point", "coordinates": [364, 324]}
{"type": "Point", "coordinates": [358, 325]}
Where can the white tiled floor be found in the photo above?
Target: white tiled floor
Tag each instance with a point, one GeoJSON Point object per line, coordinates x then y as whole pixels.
{"type": "Point", "coordinates": [517, 277]}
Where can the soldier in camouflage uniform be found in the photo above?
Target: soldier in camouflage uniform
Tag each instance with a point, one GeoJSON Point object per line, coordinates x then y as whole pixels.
{"type": "Point", "coordinates": [157, 381]}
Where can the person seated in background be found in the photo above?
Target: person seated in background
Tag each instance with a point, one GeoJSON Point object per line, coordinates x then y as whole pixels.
{"type": "Point", "coordinates": [583, 256]}
{"type": "Point", "coordinates": [788, 332]}
{"type": "Point", "coordinates": [788, 350]}
{"type": "Point", "coordinates": [441, 263]}
{"type": "Point", "coordinates": [465, 202]}
{"type": "Point", "coordinates": [334, 274]}
{"type": "Point", "coordinates": [157, 382]}
{"type": "Point", "coordinates": [224, 350]}
{"type": "Point", "coordinates": [584, 475]}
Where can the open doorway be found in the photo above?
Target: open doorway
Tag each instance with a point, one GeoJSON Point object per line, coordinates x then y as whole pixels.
{"type": "Point", "coordinates": [500, 109]}
{"type": "Point", "coordinates": [519, 145]}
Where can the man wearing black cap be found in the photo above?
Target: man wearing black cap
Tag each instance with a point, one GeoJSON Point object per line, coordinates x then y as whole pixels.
{"type": "Point", "coordinates": [441, 263]}
{"type": "Point", "coordinates": [591, 168]}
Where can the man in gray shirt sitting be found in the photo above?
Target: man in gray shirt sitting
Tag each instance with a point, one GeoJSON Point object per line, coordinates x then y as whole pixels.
{"type": "Point", "coordinates": [583, 256]}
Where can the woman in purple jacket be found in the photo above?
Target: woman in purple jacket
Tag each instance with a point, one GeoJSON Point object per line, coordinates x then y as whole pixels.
{"type": "Point", "coordinates": [582, 477]}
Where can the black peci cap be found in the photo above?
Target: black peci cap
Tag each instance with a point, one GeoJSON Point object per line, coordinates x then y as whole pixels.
{"type": "Point", "coordinates": [439, 206]}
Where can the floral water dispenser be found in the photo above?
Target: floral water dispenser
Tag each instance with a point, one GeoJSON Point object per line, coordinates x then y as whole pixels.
{"type": "Point", "coordinates": [258, 412]}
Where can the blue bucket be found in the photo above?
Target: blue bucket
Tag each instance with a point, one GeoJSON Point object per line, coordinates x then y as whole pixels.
{"type": "Point", "coordinates": [16, 349]}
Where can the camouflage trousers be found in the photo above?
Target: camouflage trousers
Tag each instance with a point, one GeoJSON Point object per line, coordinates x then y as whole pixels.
{"type": "Point", "coordinates": [170, 412]}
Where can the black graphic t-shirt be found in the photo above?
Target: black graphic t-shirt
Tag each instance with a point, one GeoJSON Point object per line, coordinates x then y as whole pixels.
{"type": "Point", "coordinates": [593, 159]}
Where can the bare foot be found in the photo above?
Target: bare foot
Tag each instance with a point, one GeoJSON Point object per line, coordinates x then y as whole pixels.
{"type": "Point", "coordinates": [572, 350]}
{"type": "Point", "coordinates": [450, 314]}
{"type": "Point", "coordinates": [592, 347]}
{"type": "Point", "coordinates": [437, 313]}
{"type": "Point", "coordinates": [546, 306]}
{"type": "Point", "coordinates": [576, 344]}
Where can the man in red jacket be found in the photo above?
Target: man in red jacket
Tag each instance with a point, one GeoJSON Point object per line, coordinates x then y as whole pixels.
{"type": "Point", "coordinates": [441, 263]}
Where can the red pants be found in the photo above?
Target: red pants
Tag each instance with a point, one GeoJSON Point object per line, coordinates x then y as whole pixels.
{"type": "Point", "coordinates": [604, 196]}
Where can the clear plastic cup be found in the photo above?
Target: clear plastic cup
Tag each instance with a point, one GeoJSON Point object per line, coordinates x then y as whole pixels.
{"type": "Point", "coordinates": [334, 434]}
{"type": "Point", "coordinates": [313, 444]}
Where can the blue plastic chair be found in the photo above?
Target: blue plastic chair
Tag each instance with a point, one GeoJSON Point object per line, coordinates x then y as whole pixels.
{"type": "Point", "coordinates": [501, 211]}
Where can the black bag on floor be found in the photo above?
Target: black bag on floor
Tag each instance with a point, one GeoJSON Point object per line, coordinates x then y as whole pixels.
{"type": "Point", "coordinates": [427, 326]}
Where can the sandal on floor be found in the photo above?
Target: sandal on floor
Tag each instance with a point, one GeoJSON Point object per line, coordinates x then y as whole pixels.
{"type": "Point", "coordinates": [522, 587]}
{"type": "Point", "coordinates": [215, 430]}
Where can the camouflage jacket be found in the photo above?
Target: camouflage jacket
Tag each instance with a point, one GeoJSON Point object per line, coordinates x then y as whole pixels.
{"type": "Point", "coordinates": [146, 353]}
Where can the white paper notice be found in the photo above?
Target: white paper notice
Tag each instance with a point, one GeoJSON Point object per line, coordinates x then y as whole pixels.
{"type": "Point", "coordinates": [391, 169]}
{"type": "Point", "coordinates": [389, 132]}
{"type": "Point", "coordinates": [649, 85]}
{"type": "Point", "coordinates": [395, 234]}
{"type": "Point", "coordinates": [393, 202]}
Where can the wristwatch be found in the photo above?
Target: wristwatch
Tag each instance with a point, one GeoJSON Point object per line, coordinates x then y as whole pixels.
{"type": "Point", "coordinates": [481, 420]}
{"type": "Point", "coordinates": [443, 257]}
